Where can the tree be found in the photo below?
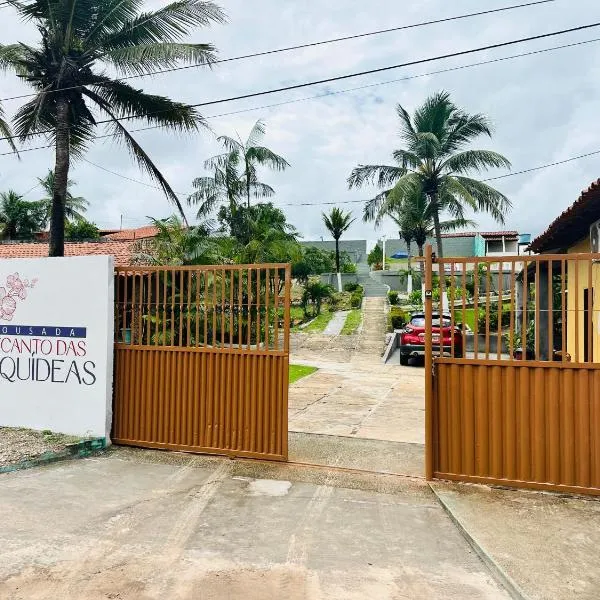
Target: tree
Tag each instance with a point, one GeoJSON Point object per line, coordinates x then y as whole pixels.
{"type": "Point", "coordinates": [81, 230]}
{"type": "Point", "coordinates": [67, 69]}
{"type": "Point", "coordinates": [435, 158]}
{"type": "Point", "coordinates": [313, 261]}
{"type": "Point", "coordinates": [337, 222]}
{"type": "Point", "coordinates": [177, 244]}
{"type": "Point", "coordinates": [375, 257]}
{"type": "Point", "coordinates": [235, 173]}
{"type": "Point", "coordinates": [414, 215]}
{"type": "Point", "coordinates": [74, 206]}
{"type": "Point", "coordinates": [19, 219]}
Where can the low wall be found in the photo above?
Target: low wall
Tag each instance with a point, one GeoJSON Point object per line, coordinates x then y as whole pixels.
{"type": "Point", "coordinates": [331, 279]}
{"type": "Point", "coordinates": [492, 338]}
{"type": "Point", "coordinates": [395, 281]}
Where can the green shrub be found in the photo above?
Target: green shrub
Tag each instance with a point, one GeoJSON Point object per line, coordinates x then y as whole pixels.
{"type": "Point", "coordinates": [397, 318]}
{"type": "Point", "coordinates": [356, 299]}
{"type": "Point", "coordinates": [349, 267]}
{"type": "Point", "coordinates": [351, 286]}
{"type": "Point", "coordinates": [482, 320]}
{"type": "Point", "coordinates": [415, 297]}
{"type": "Point", "coordinates": [393, 297]}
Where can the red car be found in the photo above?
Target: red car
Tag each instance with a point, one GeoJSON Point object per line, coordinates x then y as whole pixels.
{"type": "Point", "coordinates": [412, 338]}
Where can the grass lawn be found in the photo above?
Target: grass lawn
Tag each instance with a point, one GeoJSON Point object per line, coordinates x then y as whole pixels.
{"type": "Point", "coordinates": [352, 322]}
{"type": "Point", "coordinates": [300, 371]}
{"type": "Point", "coordinates": [319, 324]}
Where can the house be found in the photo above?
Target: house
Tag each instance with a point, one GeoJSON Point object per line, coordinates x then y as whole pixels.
{"type": "Point", "coordinates": [122, 245]}
{"type": "Point", "coordinates": [575, 232]}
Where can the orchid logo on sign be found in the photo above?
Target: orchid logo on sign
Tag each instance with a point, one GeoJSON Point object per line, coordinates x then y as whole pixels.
{"type": "Point", "coordinates": [39, 352]}
{"type": "Point", "coordinates": [16, 289]}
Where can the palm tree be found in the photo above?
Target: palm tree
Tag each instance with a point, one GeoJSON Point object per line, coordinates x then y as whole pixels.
{"type": "Point", "coordinates": [19, 219]}
{"type": "Point", "coordinates": [223, 187]}
{"type": "Point", "coordinates": [337, 222]}
{"type": "Point", "coordinates": [436, 159]}
{"type": "Point", "coordinates": [235, 172]}
{"type": "Point", "coordinates": [414, 215]}
{"type": "Point", "coordinates": [67, 69]}
{"type": "Point", "coordinates": [4, 126]}
{"type": "Point", "coordinates": [75, 206]}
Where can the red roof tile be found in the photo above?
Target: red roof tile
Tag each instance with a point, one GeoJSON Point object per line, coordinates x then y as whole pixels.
{"type": "Point", "coordinates": [122, 251]}
{"type": "Point", "coordinates": [572, 224]}
{"type": "Point", "coordinates": [133, 234]}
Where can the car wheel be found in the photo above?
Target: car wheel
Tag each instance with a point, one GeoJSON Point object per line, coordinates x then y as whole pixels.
{"type": "Point", "coordinates": [404, 359]}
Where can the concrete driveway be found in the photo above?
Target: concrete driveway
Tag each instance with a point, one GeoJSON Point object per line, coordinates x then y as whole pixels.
{"type": "Point", "coordinates": [144, 525]}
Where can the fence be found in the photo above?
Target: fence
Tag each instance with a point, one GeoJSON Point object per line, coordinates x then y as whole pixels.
{"type": "Point", "coordinates": [202, 358]}
{"type": "Point", "coordinates": [512, 396]}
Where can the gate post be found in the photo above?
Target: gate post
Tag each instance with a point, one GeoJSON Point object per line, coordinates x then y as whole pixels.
{"type": "Point", "coordinates": [428, 304]}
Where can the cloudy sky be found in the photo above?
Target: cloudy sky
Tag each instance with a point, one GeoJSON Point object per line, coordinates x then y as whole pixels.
{"type": "Point", "coordinates": [544, 107]}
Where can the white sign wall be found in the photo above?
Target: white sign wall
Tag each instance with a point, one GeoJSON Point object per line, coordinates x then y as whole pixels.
{"type": "Point", "coordinates": [56, 344]}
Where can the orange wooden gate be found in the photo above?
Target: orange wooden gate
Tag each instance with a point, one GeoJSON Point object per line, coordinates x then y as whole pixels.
{"type": "Point", "coordinates": [515, 398]}
{"type": "Point", "coordinates": [202, 359]}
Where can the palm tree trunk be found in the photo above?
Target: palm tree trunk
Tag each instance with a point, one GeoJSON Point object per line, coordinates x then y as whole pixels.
{"type": "Point", "coordinates": [438, 231]}
{"type": "Point", "coordinates": [337, 255]}
{"type": "Point", "coordinates": [61, 175]}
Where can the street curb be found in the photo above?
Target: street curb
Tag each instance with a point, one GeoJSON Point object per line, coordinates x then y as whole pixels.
{"type": "Point", "coordinates": [497, 571]}
{"type": "Point", "coordinates": [77, 450]}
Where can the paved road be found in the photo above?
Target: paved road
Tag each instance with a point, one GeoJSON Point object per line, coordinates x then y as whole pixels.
{"type": "Point", "coordinates": [145, 525]}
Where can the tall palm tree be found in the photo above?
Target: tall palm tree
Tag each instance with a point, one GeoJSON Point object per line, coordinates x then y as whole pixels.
{"type": "Point", "coordinates": [435, 158]}
{"type": "Point", "coordinates": [5, 130]}
{"type": "Point", "coordinates": [19, 219]}
{"type": "Point", "coordinates": [337, 222]}
{"type": "Point", "coordinates": [79, 40]}
{"type": "Point", "coordinates": [75, 206]}
{"type": "Point", "coordinates": [235, 172]}
{"type": "Point", "coordinates": [414, 214]}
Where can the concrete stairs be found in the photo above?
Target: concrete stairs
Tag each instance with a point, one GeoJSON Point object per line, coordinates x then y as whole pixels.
{"type": "Point", "coordinates": [373, 288]}
{"type": "Point", "coordinates": [372, 336]}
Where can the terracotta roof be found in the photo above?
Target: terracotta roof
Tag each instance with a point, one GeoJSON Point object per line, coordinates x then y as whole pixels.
{"type": "Point", "coordinates": [573, 224]}
{"type": "Point", "coordinates": [122, 251]}
{"type": "Point", "coordinates": [133, 234]}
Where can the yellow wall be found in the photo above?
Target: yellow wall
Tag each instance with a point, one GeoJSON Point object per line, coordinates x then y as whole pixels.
{"type": "Point", "coordinates": [576, 284]}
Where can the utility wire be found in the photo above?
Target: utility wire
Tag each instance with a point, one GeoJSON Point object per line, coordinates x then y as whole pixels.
{"type": "Point", "coordinates": [530, 170]}
{"type": "Point", "coordinates": [341, 77]}
{"type": "Point", "coordinates": [344, 91]}
{"type": "Point", "coordinates": [303, 46]}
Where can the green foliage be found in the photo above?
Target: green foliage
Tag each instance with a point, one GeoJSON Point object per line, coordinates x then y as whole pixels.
{"type": "Point", "coordinates": [313, 261]}
{"type": "Point", "coordinates": [375, 257]}
{"type": "Point", "coordinates": [393, 297]}
{"type": "Point", "coordinates": [76, 70]}
{"type": "Point", "coordinates": [356, 299]}
{"type": "Point", "coordinates": [351, 286]}
{"type": "Point", "coordinates": [415, 298]}
{"type": "Point", "coordinates": [349, 267]}
{"type": "Point", "coordinates": [314, 294]}
{"type": "Point", "coordinates": [19, 219]}
{"type": "Point", "coordinates": [75, 207]}
{"type": "Point", "coordinates": [352, 322]}
{"type": "Point", "coordinates": [397, 318]}
{"type": "Point", "coordinates": [432, 169]}
{"type": "Point", "coordinates": [235, 176]}
{"type": "Point", "coordinates": [337, 222]}
{"type": "Point", "coordinates": [493, 318]}
{"type": "Point", "coordinates": [299, 371]}
{"type": "Point", "coordinates": [81, 230]}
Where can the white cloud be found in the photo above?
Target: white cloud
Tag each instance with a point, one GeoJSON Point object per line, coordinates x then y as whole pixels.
{"type": "Point", "coordinates": [544, 107]}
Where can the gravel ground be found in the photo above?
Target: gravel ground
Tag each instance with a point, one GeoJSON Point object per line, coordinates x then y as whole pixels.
{"type": "Point", "coordinates": [22, 444]}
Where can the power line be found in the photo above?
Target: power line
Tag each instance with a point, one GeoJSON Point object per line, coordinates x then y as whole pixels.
{"type": "Point", "coordinates": [538, 168]}
{"type": "Point", "coordinates": [347, 90]}
{"type": "Point", "coordinates": [342, 77]}
{"type": "Point", "coordinates": [307, 45]}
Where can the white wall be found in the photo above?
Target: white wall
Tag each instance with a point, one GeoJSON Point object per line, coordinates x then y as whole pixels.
{"type": "Point", "coordinates": [56, 344]}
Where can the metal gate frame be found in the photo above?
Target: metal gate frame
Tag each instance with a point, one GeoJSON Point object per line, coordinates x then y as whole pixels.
{"type": "Point", "coordinates": [529, 423]}
{"type": "Point", "coordinates": [202, 359]}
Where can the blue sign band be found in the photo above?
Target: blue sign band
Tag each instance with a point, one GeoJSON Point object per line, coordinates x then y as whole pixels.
{"type": "Point", "coordinates": [50, 331]}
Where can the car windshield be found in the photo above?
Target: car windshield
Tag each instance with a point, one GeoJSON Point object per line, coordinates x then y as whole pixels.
{"type": "Point", "coordinates": [420, 321]}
